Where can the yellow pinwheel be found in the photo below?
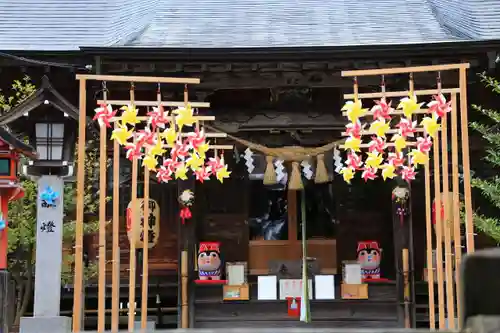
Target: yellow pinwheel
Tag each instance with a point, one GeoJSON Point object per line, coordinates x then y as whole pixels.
{"type": "Point", "coordinates": [418, 157]}
{"type": "Point", "coordinates": [180, 172]}
{"type": "Point", "coordinates": [222, 173]}
{"type": "Point", "coordinates": [170, 135]}
{"type": "Point", "coordinates": [194, 162]}
{"type": "Point", "coordinates": [129, 115]}
{"type": "Point", "coordinates": [352, 143]}
{"type": "Point", "coordinates": [374, 160]}
{"type": "Point", "coordinates": [399, 142]}
{"type": "Point", "coordinates": [184, 116]}
{"type": "Point", "coordinates": [380, 127]}
{"type": "Point", "coordinates": [150, 162]}
{"type": "Point", "coordinates": [354, 110]}
{"type": "Point", "coordinates": [348, 174]}
{"type": "Point", "coordinates": [121, 134]}
{"type": "Point", "coordinates": [202, 149]}
{"type": "Point", "coordinates": [431, 125]}
{"type": "Point", "coordinates": [388, 171]}
{"type": "Point", "coordinates": [157, 149]}
{"type": "Point", "coordinates": [409, 105]}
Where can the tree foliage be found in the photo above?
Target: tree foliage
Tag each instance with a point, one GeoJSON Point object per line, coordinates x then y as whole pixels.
{"type": "Point", "coordinates": [22, 216]}
{"type": "Point", "coordinates": [489, 186]}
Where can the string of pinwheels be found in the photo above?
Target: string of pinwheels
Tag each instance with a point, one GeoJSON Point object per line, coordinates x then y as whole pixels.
{"type": "Point", "coordinates": [390, 163]}
{"type": "Point", "coordinates": [163, 145]}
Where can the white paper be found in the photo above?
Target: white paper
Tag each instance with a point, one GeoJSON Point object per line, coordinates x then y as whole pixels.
{"type": "Point", "coordinates": [324, 287]}
{"type": "Point", "coordinates": [267, 287]}
{"type": "Point", "coordinates": [293, 288]}
{"type": "Point", "coordinates": [236, 275]}
{"type": "Point", "coordinates": [352, 274]}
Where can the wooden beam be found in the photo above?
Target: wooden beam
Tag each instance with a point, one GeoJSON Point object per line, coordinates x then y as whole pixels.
{"type": "Point", "coordinates": [391, 131]}
{"type": "Point", "coordinates": [389, 144]}
{"type": "Point", "coordinates": [395, 112]}
{"type": "Point", "coordinates": [137, 79]}
{"type": "Point", "coordinates": [403, 70]}
{"type": "Point", "coordinates": [423, 92]}
{"type": "Point", "coordinates": [197, 118]}
{"type": "Point", "coordinates": [152, 103]}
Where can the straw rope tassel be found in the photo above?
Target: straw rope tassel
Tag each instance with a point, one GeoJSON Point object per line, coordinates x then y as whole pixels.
{"type": "Point", "coordinates": [270, 174]}
{"type": "Point", "coordinates": [295, 182]}
{"type": "Point", "coordinates": [321, 172]}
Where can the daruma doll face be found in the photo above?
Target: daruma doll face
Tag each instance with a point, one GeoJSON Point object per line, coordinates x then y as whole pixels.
{"type": "Point", "coordinates": [369, 258]}
{"type": "Point", "coordinates": [209, 261]}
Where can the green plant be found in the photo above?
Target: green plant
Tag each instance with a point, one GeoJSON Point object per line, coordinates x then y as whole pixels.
{"type": "Point", "coordinates": [22, 216]}
{"type": "Point", "coordinates": [489, 186]}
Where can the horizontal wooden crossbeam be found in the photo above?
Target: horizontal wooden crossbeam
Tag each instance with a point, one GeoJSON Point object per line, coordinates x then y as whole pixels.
{"type": "Point", "coordinates": [221, 147]}
{"type": "Point", "coordinates": [395, 112]}
{"type": "Point", "coordinates": [198, 118]}
{"type": "Point", "coordinates": [403, 70]}
{"type": "Point", "coordinates": [154, 103]}
{"type": "Point", "coordinates": [389, 144]}
{"type": "Point", "coordinates": [423, 92]}
{"type": "Point", "coordinates": [137, 79]}
{"type": "Point", "coordinates": [391, 131]}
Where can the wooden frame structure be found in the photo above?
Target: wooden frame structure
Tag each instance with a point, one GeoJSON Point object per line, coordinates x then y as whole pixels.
{"type": "Point", "coordinates": [78, 282]}
{"type": "Point", "coordinates": [452, 256]}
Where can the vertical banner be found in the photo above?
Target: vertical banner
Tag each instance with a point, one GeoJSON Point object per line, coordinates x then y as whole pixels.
{"type": "Point", "coordinates": [49, 236]}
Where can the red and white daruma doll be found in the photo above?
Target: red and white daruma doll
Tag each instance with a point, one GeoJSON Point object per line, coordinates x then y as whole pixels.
{"type": "Point", "coordinates": [369, 255]}
{"type": "Point", "coordinates": [209, 261]}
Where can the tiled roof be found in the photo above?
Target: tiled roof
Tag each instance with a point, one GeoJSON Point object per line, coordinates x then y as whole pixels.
{"type": "Point", "coordinates": [59, 25]}
{"type": "Point", "coordinates": [44, 25]}
{"type": "Point", "coordinates": [261, 23]}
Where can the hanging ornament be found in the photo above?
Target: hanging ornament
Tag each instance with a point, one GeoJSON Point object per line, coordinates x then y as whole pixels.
{"type": "Point", "coordinates": [203, 174]}
{"type": "Point", "coordinates": [388, 171]}
{"type": "Point", "coordinates": [222, 174]}
{"type": "Point", "coordinates": [374, 160]}
{"type": "Point", "coordinates": [397, 159]}
{"type": "Point", "coordinates": [249, 161]}
{"type": "Point", "coordinates": [406, 127]}
{"type": "Point", "coordinates": [158, 118]}
{"type": "Point", "coordinates": [439, 107]}
{"type": "Point", "coordinates": [424, 144]}
{"type": "Point", "coordinates": [181, 172]}
{"type": "Point", "coordinates": [184, 116]}
{"type": "Point", "coordinates": [146, 137]}
{"type": "Point", "coordinates": [431, 126]}
{"type": "Point", "coordinates": [279, 168]}
{"type": "Point", "coordinates": [150, 162]}
{"type": "Point", "coordinates": [133, 150]}
{"type": "Point", "coordinates": [352, 143]}
{"type": "Point", "coordinates": [121, 134]}
{"type": "Point", "coordinates": [129, 115]}
{"type": "Point", "coordinates": [354, 129]}
{"type": "Point", "coordinates": [337, 160]}
{"type": "Point", "coordinates": [354, 161]}
{"type": "Point", "coordinates": [306, 169]}
{"type": "Point", "coordinates": [399, 142]}
{"type": "Point", "coordinates": [379, 127]}
{"type": "Point", "coordinates": [408, 173]}
{"type": "Point", "coordinates": [103, 114]}
{"type": "Point", "coordinates": [418, 157]}
{"type": "Point", "coordinates": [186, 200]}
{"type": "Point", "coordinates": [163, 174]}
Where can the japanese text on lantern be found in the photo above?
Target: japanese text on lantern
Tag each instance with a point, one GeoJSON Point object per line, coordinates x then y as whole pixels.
{"type": "Point", "coordinates": [391, 156]}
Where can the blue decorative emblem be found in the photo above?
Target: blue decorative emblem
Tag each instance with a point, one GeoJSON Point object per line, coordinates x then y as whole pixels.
{"type": "Point", "coordinates": [2, 223]}
{"type": "Point", "coordinates": [49, 197]}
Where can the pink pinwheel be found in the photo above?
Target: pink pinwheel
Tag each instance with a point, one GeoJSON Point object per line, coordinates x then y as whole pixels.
{"type": "Point", "coordinates": [382, 109]}
{"type": "Point", "coordinates": [103, 114]}
{"type": "Point", "coordinates": [354, 161]}
{"type": "Point", "coordinates": [203, 174]}
{"type": "Point", "coordinates": [133, 150]}
{"type": "Point", "coordinates": [424, 144]}
{"type": "Point", "coordinates": [215, 164]}
{"type": "Point", "coordinates": [145, 136]}
{"type": "Point", "coordinates": [196, 139]}
{"type": "Point", "coordinates": [164, 174]}
{"type": "Point", "coordinates": [369, 174]}
{"type": "Point", "coordinates": [408, 173]}
{"type": "Point", "coordinates": [377, 144]}
{"type": "Point", "coordinates": [354, 129]}
{"type": "Point", "coordinates": [396, 159]}
{"type": "Point", "coordinates": [171, 165]}
{"type": "Point", "coordinates": [406, 127]}
{"type": "Point", "coordinates": [158, 117]}
{"type": "Point", "coordinates": [439, 106]}
{"type": "Point", "coordinates": [179, 151]}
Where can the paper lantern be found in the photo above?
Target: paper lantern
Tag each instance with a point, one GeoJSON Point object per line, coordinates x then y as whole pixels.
{"type": "Point", "coordinates": [153, 221]}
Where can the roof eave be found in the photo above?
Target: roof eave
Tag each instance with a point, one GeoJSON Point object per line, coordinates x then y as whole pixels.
{"type": "Point", "coordinates": [327, 52]}
{"type": "Point", "coordinates": [17, 144]}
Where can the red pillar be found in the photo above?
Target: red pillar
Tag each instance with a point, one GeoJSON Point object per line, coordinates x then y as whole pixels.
{"type": "Point", "coordinates": [4, 206]}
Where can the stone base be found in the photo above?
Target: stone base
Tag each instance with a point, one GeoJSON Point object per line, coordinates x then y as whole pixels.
{"type": "Point", "coordinates": [45, 325]}
{"type": "Point", "coordinates": [150, 326]}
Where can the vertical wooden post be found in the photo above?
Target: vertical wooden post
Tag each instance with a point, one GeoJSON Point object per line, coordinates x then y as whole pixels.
{"type": "Point", "coordinates": [430, 265]}
{"type": "Point", "coordinates": [78, 282]}
{"type": "Point", "coordinates": [184, 294]}
{"type": "Point", "coordinates": [469, 225]}
{"type": "Point", "coordinates": [456, 201]}
{"type": "Point", "coordinates": [101, 307]}
{"type": "Point", "coordinates": [406, 284]}
{"type": "Point", "coordinates": [439, 236]}
{"type": "Point", "coordinates": [448, 255]}
{"type": "Point", "coordinates": [145, 253]}
{"type": "Point", "coordinates": [133, 213]}
{"type": "Point", "coordinates": [115, 300]}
